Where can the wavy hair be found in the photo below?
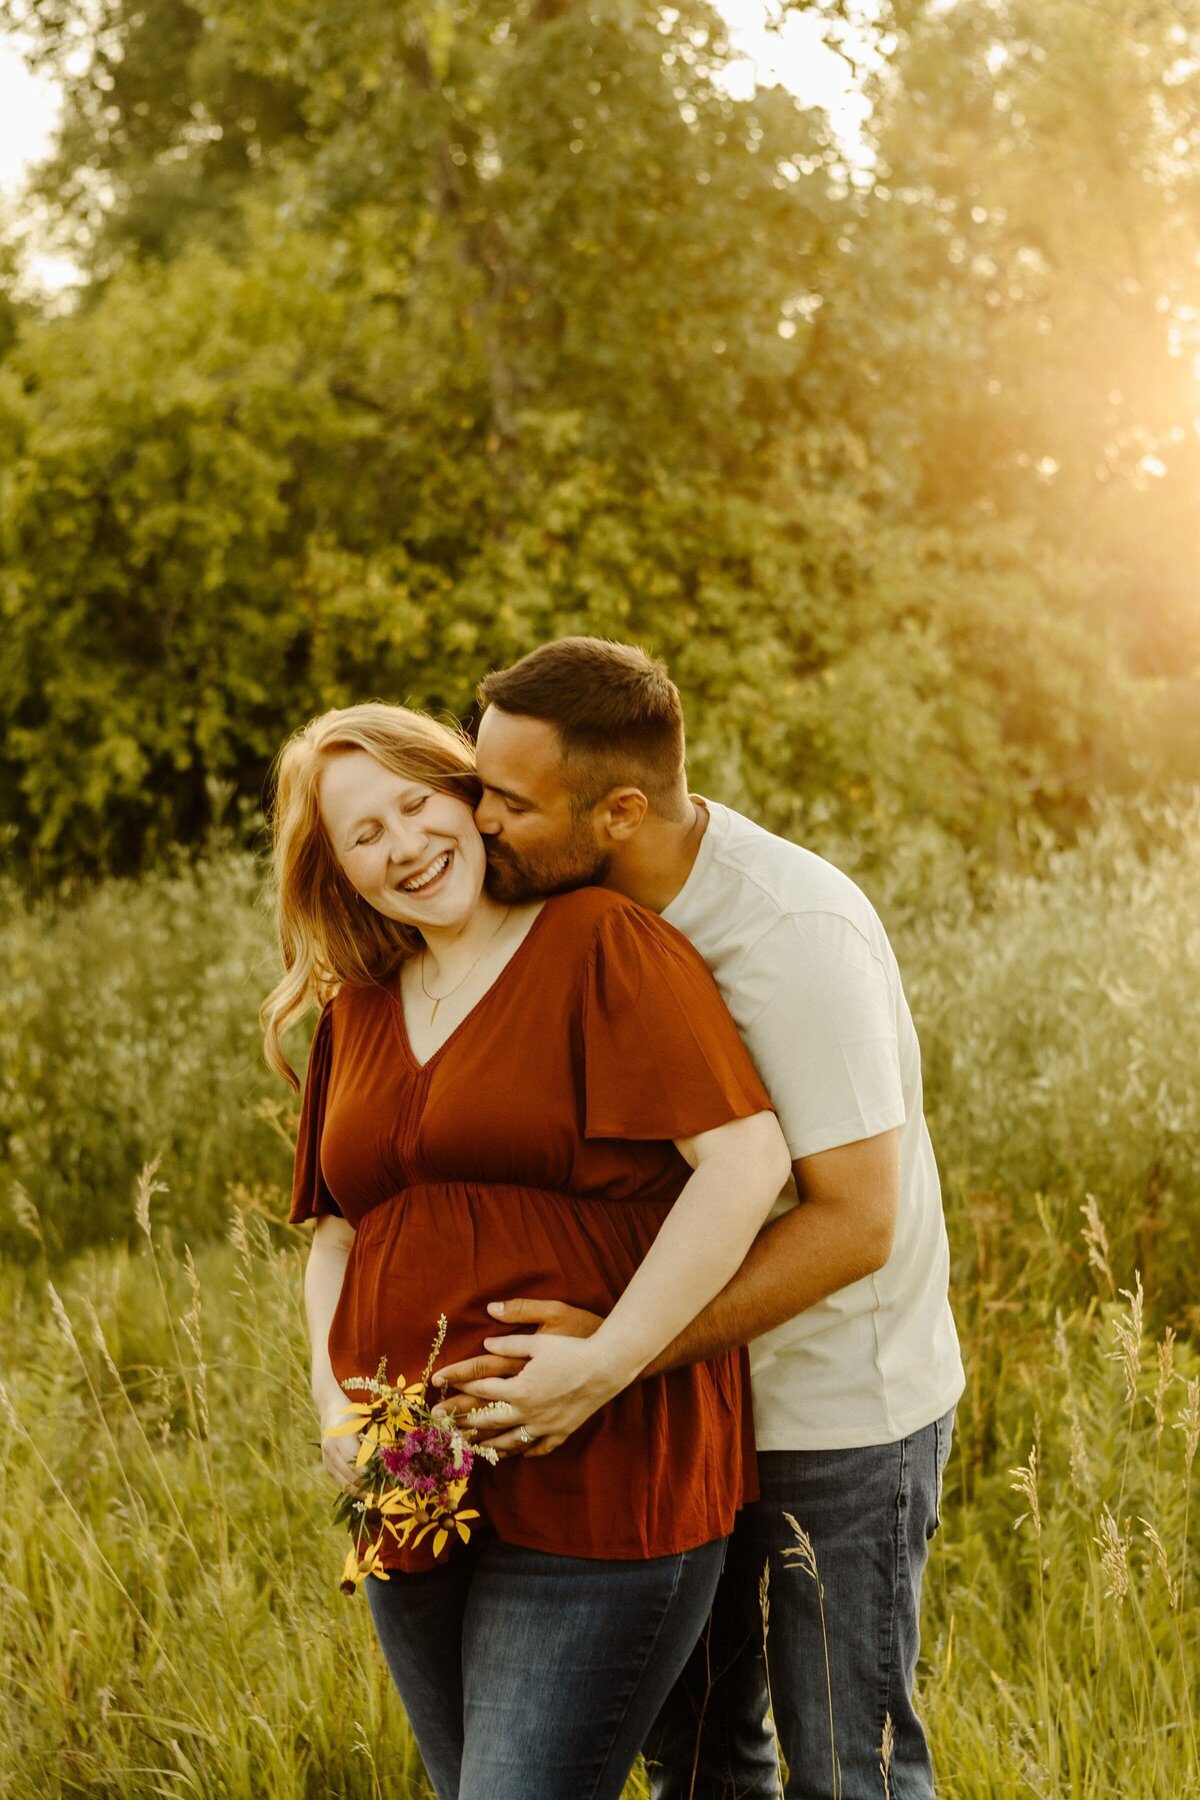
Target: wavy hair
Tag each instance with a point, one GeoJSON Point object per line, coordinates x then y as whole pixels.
{"type": "Point", "coordinates": [328, 935]}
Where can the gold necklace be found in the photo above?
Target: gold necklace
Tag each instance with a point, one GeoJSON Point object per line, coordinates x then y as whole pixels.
{"type": "Point", "coordinates": [438, 998]}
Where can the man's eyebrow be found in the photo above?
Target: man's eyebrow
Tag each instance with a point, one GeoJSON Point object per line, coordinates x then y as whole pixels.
{"type": "Point", "coordinates": [507, 793]}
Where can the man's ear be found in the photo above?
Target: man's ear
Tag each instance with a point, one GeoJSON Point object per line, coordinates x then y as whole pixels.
{"type": "Point", "coordinates": [620, 813]}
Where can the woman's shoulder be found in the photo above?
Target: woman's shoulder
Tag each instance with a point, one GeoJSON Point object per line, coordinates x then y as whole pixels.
{"type": "Point", "coordinates": [603, 917]}
{"type": "Point", "coordinates": [351, 1000]}
{"type": "Point", "coordinates": [593, 908]}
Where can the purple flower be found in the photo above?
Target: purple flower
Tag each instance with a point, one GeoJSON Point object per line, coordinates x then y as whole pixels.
{"type": "Point", "coordinates": [427, 1459]}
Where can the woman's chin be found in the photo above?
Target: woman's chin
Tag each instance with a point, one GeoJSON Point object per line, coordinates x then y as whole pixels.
{"type": "Point", "coordinates": [445, 911]}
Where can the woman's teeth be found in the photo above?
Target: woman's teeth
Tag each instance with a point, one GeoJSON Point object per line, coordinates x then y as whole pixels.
{"type": "Point", "coordinates": [431, 874]}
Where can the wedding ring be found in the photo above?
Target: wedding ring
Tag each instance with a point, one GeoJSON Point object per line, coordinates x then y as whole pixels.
{"type": "Point", "coordinates": [525, 1435]}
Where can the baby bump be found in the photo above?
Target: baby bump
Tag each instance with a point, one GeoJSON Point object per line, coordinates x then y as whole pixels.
{"type": "Point", "coordinates": [450, 1248]}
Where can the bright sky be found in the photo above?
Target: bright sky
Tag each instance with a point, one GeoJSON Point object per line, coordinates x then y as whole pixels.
{"type": "Point", "coordinates": [28, 110]}
{"type": "Point", "coordinates": [796, 56]}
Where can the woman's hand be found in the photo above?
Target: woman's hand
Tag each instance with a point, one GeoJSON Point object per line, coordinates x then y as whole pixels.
{"type": "Point", "coordinates": [564, 1380]}
{"type": "Point", "coordinates": [339, 1454]}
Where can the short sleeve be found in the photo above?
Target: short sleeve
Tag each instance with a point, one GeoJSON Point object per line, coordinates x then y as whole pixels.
{"type": "Point", "coordinates": [311, 1198]}
{"type": "Point", "coordinates": [663, 1057]}
{"type": "Point", "coordinates": [818, 1015]}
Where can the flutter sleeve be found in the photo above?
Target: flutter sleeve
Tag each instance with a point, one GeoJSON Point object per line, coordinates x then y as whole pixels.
{"type": "Point", "coordinates": [311, 1198]}
{"type": "Point", "coordinates": [663, 1057]}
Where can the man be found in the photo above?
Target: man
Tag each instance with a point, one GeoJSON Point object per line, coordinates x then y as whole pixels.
{"type": "Point", "coordinates": [843, 1297]}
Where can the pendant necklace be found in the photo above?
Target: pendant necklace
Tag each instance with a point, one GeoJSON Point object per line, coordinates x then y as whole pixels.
{"type": "Point", "coordinates": [438, 998]}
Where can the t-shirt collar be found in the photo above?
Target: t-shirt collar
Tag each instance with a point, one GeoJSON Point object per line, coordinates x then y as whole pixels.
{"type": "Point", "coordinates": [704, 857]}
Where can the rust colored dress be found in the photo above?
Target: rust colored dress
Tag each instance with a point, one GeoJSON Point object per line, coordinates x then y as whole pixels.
{"type": "Point", "coordinates": [531, 1155]}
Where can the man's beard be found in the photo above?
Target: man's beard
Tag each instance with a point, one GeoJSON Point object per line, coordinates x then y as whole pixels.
{"type": "Point", "coordinates": [576, 864]}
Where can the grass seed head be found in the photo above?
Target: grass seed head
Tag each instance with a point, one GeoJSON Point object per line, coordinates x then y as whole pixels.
{"type": "Point", "coordinates": [1189, 1422]}
{"type": "Point", "coordinates": [1160, 1557]}
{"type": "Point", "coordinates": [1026, 1483]}
{"type": "Point", "coordinates": [802, 1549]}
{"type": "Point", "coordinates": [61, 1319]}
{"type": "Point", "coordinates": [887, 1745]}
{"type": "Point", "coordinates": [1128, 1333]}
{"type": "Point", "coordinates": [1081, 1464]}
{"type": "Point", "coordinates": [1114, 1557]}
{"type": "Point", "coordinates": [144, 1192]}
{"type": "Point", "coordinates": [1165, 1353]}
{"type": "Point", "coordinates": [1096, 1238]}
{"type": "Point", "coordinates": [25, 1213]}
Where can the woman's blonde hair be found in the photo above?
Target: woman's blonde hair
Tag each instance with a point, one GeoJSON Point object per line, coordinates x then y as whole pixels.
{"type": "Point", "coordinates": [328, 935]}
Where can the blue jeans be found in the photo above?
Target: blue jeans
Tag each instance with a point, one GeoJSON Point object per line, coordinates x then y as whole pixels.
{"type": "Point", "coordinates": [870, 1514]}
{"type": "Point", "coordinates": [525, 1674]}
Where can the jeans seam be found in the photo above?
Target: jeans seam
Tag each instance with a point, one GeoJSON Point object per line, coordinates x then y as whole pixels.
{"type": "Point", "coordinates": [887, 1661]}
{"type": "Point", "coordinates": [647, 1654]}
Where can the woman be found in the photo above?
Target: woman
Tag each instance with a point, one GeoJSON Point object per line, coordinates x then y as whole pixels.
{"type": "Point", "coordinates": [536, 1098]}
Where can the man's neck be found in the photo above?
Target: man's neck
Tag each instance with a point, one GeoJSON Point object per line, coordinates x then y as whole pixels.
{"type": "Point", "coordinates": [656, 862]}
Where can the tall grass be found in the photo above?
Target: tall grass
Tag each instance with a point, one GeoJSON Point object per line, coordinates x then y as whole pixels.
{"type": "Point", "coordinates": [169, 1622]}
{"type": "Point", "coordinates": [129, 1031]}
{"type": "Point", "coordinates": [1058, 1022]}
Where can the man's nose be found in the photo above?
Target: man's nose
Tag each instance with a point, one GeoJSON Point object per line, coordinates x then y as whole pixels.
{"type": "Point", "coordinates": [487, 819]}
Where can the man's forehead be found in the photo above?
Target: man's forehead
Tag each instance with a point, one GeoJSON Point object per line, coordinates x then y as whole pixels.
{"type": "Point", "coordinates": [518, 755]}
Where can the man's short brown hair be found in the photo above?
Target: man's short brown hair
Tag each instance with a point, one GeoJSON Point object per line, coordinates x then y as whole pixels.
{"type": "Point", "coordinates": [617, 713]}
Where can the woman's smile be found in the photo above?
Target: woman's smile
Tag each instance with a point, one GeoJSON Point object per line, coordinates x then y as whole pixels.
{"type": "Point", "coordinates": [430, 876]}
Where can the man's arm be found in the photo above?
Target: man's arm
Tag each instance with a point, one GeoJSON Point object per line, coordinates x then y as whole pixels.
{"type": "Point", "coordinates": [841, 1231]}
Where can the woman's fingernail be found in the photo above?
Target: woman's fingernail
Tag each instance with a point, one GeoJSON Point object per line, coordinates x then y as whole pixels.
{"type": "Point", "coordinates": [439, 1380]}
{"type": "Point", "coordinates": [497, 1307]}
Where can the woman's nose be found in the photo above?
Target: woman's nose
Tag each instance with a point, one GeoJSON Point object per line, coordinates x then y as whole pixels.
{"type": "Point", "coordinates": [406, 840]}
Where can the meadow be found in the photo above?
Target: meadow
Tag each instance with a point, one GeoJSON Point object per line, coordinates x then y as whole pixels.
{"type": "Point", "coordinates": [170, 1622]}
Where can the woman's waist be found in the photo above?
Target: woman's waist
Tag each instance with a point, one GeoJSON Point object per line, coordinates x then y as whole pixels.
{"type": "Point", "coordinates": [422, 1255]}
{"type": "Point", "coordinates": [473, 1190]}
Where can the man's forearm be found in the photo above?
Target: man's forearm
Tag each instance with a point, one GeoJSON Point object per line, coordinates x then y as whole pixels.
{"type": "Point", "coordinates": [796, 1260]}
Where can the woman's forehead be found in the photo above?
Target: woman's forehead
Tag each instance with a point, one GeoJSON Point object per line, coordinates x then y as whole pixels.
{"type": "Point", "coordinates": [352, 780]}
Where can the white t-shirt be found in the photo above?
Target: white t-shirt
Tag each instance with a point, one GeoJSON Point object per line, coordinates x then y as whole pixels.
{"type": "Point", "coordinates": [807, 972]}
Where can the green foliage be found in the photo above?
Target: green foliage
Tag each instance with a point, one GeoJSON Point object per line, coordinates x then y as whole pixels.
{"type": "Point", "coordinates": [129, 1032]}
{"type": "Point", "coordinates": [455, 330]}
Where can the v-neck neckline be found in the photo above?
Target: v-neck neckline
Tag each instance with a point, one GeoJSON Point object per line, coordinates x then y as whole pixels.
{"type": "Point", "coordinates": [398, 1004]}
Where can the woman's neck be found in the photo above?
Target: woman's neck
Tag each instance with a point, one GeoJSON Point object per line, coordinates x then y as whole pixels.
{"type": "Point", "coordinates": [449, 947]}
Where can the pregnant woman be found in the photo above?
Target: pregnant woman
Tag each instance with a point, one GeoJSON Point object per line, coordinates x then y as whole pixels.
{"type": "Point", "coordinates": [544, 1098]}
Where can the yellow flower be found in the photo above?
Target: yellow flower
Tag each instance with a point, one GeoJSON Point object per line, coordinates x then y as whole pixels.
{"type": "Point", "coordinates": [358, 1414]}
{"type": "Point", "coordinates": [357, 1569]}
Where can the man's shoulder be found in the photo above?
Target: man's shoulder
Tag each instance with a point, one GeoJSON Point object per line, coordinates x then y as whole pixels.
{"type": "Point", "coordinates": [780, 879]}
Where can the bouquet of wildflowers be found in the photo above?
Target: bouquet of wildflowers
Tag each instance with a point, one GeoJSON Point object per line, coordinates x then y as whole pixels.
{"type": "Point", "coordinates": [413, 1468]}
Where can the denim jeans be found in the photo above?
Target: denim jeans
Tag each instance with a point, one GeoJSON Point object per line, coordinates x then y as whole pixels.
{"type": "Point", "coordinates": [870, 1514]}
{"type": "Point", "coordinates": [525, 1674]}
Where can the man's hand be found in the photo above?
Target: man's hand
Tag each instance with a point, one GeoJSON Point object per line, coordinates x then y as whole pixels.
{"type": "Point", "coordinates": [562, 1382]}
{"type": "Point", "coordinates": [506, 1357]}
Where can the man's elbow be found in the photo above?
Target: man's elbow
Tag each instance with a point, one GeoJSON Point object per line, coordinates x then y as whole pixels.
{"type": "Point", "coordinates": [876, 1241]}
